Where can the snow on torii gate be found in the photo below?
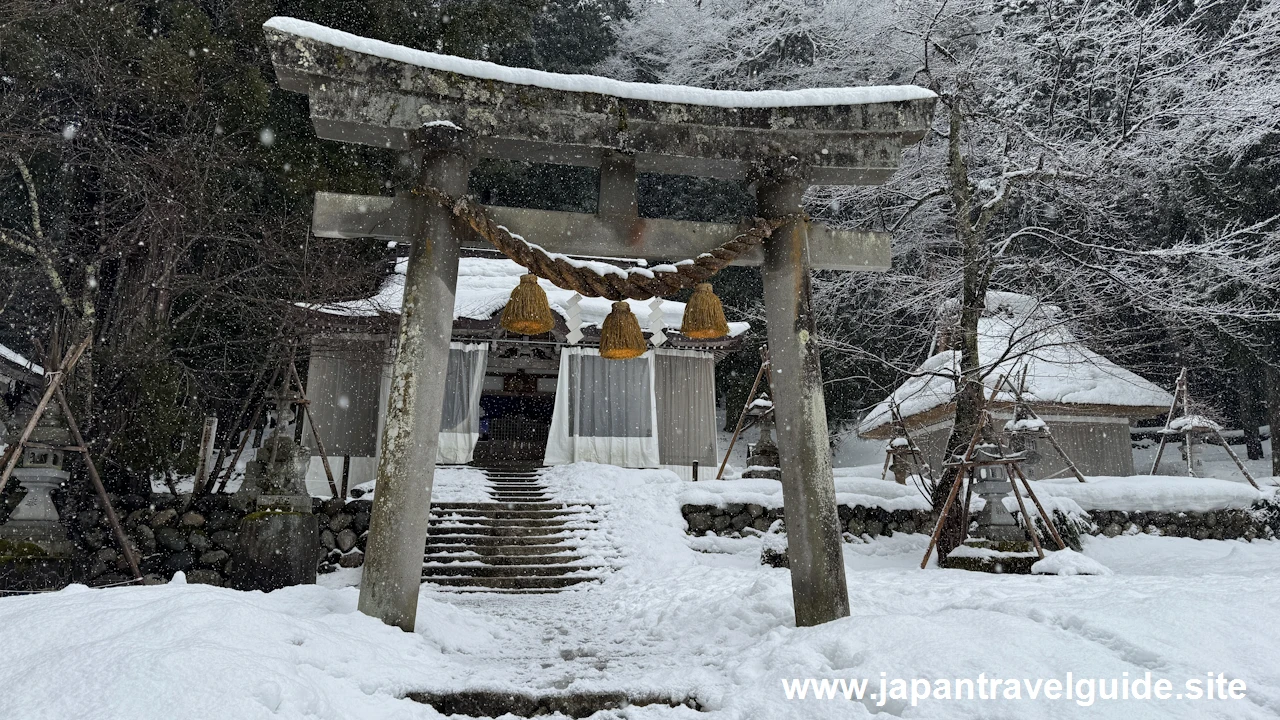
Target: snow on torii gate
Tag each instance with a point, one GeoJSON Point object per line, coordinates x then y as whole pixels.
{"type": "Point", "coordinates": [374, 93]}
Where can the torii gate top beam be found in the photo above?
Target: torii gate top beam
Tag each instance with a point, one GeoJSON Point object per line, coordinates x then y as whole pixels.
{"type": "Point", "coordinates": [374, 93]}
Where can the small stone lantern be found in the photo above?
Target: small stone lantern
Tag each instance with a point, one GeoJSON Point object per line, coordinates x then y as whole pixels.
{"type": "Point", "coordinates": [992, 484]}
{"type": "Point", "coordinates": [764, 461]}
{"type": "Point", "coordinates": [40, 471]}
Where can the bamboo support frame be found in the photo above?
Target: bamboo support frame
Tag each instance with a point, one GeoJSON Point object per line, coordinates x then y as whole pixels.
{"type": "Point", "coordinates": [112, 519]}
{"type": "Point", "coordinates": [1044, 428]}
{"type": "Point", "coordinates": [955, 487]}
{"type": "Point", "coordinates": [53, 390]}
{"type": "Point", "coordinates": [54, 379]}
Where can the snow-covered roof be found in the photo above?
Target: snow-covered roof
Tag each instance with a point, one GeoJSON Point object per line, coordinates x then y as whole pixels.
{"type": "Point", "coordinates": [600, 85]}
{"type": "Point", "coordinates": [1016, 333]}
{"type": "Point", "coordinates": [20, 361]}
{"type": "Point", "coordinates": [485, 284]}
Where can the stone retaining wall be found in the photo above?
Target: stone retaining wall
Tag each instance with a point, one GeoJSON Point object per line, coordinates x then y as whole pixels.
{"type": "Point", "coordinates": [1260, 521]}
{"type": "Point", "coordinates": [344, 529]}
{"type": "Point", "coordinates": [734, 518]}
{"type": "Point", "coordinates": [195, 536]}
{"type": "Point", "coordinates": [169, 534]}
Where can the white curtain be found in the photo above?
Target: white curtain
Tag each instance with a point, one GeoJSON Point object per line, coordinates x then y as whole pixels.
{"type": "Point", "coordinates": [605, 411]}
{"type": "Point", "coordinates": [686, 394]}
{"type": "Point", "coordinates": [460, 413]}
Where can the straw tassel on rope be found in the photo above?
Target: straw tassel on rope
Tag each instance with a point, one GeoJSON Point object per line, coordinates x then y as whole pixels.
{"type": "Point", "coordinates": [704, 315]}
{"type": "Point", "coordinates": [527, 312]}
{"type": "Point", "coordinates": [620, 336]}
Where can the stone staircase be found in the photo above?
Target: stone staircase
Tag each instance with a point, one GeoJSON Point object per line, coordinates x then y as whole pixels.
{"type": "Point", "coordinates": [521, 542]}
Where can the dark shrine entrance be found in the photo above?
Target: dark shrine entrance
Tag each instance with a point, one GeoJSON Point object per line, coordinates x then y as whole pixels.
{"type": "Point", "coordinates": [517, 402]}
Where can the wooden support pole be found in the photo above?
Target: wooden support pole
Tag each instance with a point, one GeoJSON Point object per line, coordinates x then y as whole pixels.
{"type": "Point", "coordinates": [315, 432]}
{"type": "Point", "coordinates": [1044, 428]}
{"type": "Point", "coordinates": [946, 507]}
{"type": "Point", "coordinates": [98, 487]}
{"type": "Point", "coordinates": [406, 467]}
{"type": "Point", "coordinates": [1227, 446]}
{"type": "Point", "coordinates": [814, 543]}
{"type": "Point", "coordinates": [1048, 521]}
{"type": "Point", "coordinates": [1173, 407]}
{"type": "Point", "coordinates": [742, 416]}
{"type": "Point", "coordinates": [1026, 519]}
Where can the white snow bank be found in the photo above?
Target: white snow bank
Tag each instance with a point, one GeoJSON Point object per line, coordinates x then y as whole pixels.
{"type": "Point", "coordinates": [600, 85]}
{"type": "Point", "coordinates": [851, 490]}
{"type": "Point", "coordinates": [1068, 562]}
{"type": "Point", "coordinates": [1163, 493]}
{"type": "Point", "coordinates": [195, 651]}
{"type": "Point", "coordinates": [1017, 333]}
{"type": "Point", "coordinates": [485, 285]}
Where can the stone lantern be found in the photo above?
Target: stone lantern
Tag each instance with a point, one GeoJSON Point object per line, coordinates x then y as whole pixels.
{"type": "Point", "coordinates": [992, 484]}
{"type": "Point", "coordinates": [764, 461]}
{"type": "Point", "coordinates": [40, 471]}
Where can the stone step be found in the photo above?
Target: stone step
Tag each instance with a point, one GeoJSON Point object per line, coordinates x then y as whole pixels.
{"type": "Point", "coordinates": [552, 522]}
{"type": "Point", "coordinates": [522, 583]}
{"type": "Point", "coordinates": [541, 559]}
{"type": "Point", "coordinates": [506, 506]}
{"type": "Point", "coordinates": [476, 540]}
{"type": "Point", "coordinates": [457, 570]}
{"type": "Point", "coordinates": [498, 513]}
{"type": "Point", "coordinates": [519, 496]}
{"type": "Point", "coordinates": [514, 528]}
{"type": "Point", "coordinates": [497, 550]}
{"type": "Point", "coordinates": [500, 591]}
{"type": "Point", "coordinates": [501, 531]}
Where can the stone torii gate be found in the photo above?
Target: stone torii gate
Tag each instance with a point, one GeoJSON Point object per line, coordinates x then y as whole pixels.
{"type": "Point", "coordinates": [450, 111]}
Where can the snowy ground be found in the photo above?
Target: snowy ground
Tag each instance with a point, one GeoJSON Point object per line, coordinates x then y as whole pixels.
{"type": "Point", "coordinates": [679, 617]}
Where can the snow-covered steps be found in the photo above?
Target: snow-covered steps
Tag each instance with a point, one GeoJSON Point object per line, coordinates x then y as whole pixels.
{"type": "Point", "coordinates": [523, 541]}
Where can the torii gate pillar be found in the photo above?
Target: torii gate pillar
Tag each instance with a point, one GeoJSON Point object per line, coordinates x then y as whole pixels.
{"type": "Point", "coordinates": [406, 466]}
{"type": "Point", "coordinates": [814, 540]}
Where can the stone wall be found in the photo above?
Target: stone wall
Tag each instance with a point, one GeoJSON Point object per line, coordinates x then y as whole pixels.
{"type": "Point", "coordinates": [196, 536]}
{"type": "Point", "coordinates": [733, 518]}
{"type": "Point", "coordinates": [344, 529]}
{"type": "Point", "coordinates": [1260, 521]}
{"type": "Point", "coordinates": [169, 534]}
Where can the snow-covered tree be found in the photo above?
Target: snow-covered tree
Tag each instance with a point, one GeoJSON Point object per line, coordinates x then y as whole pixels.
{"type": "Point", "coordinates": [1081, 152]}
